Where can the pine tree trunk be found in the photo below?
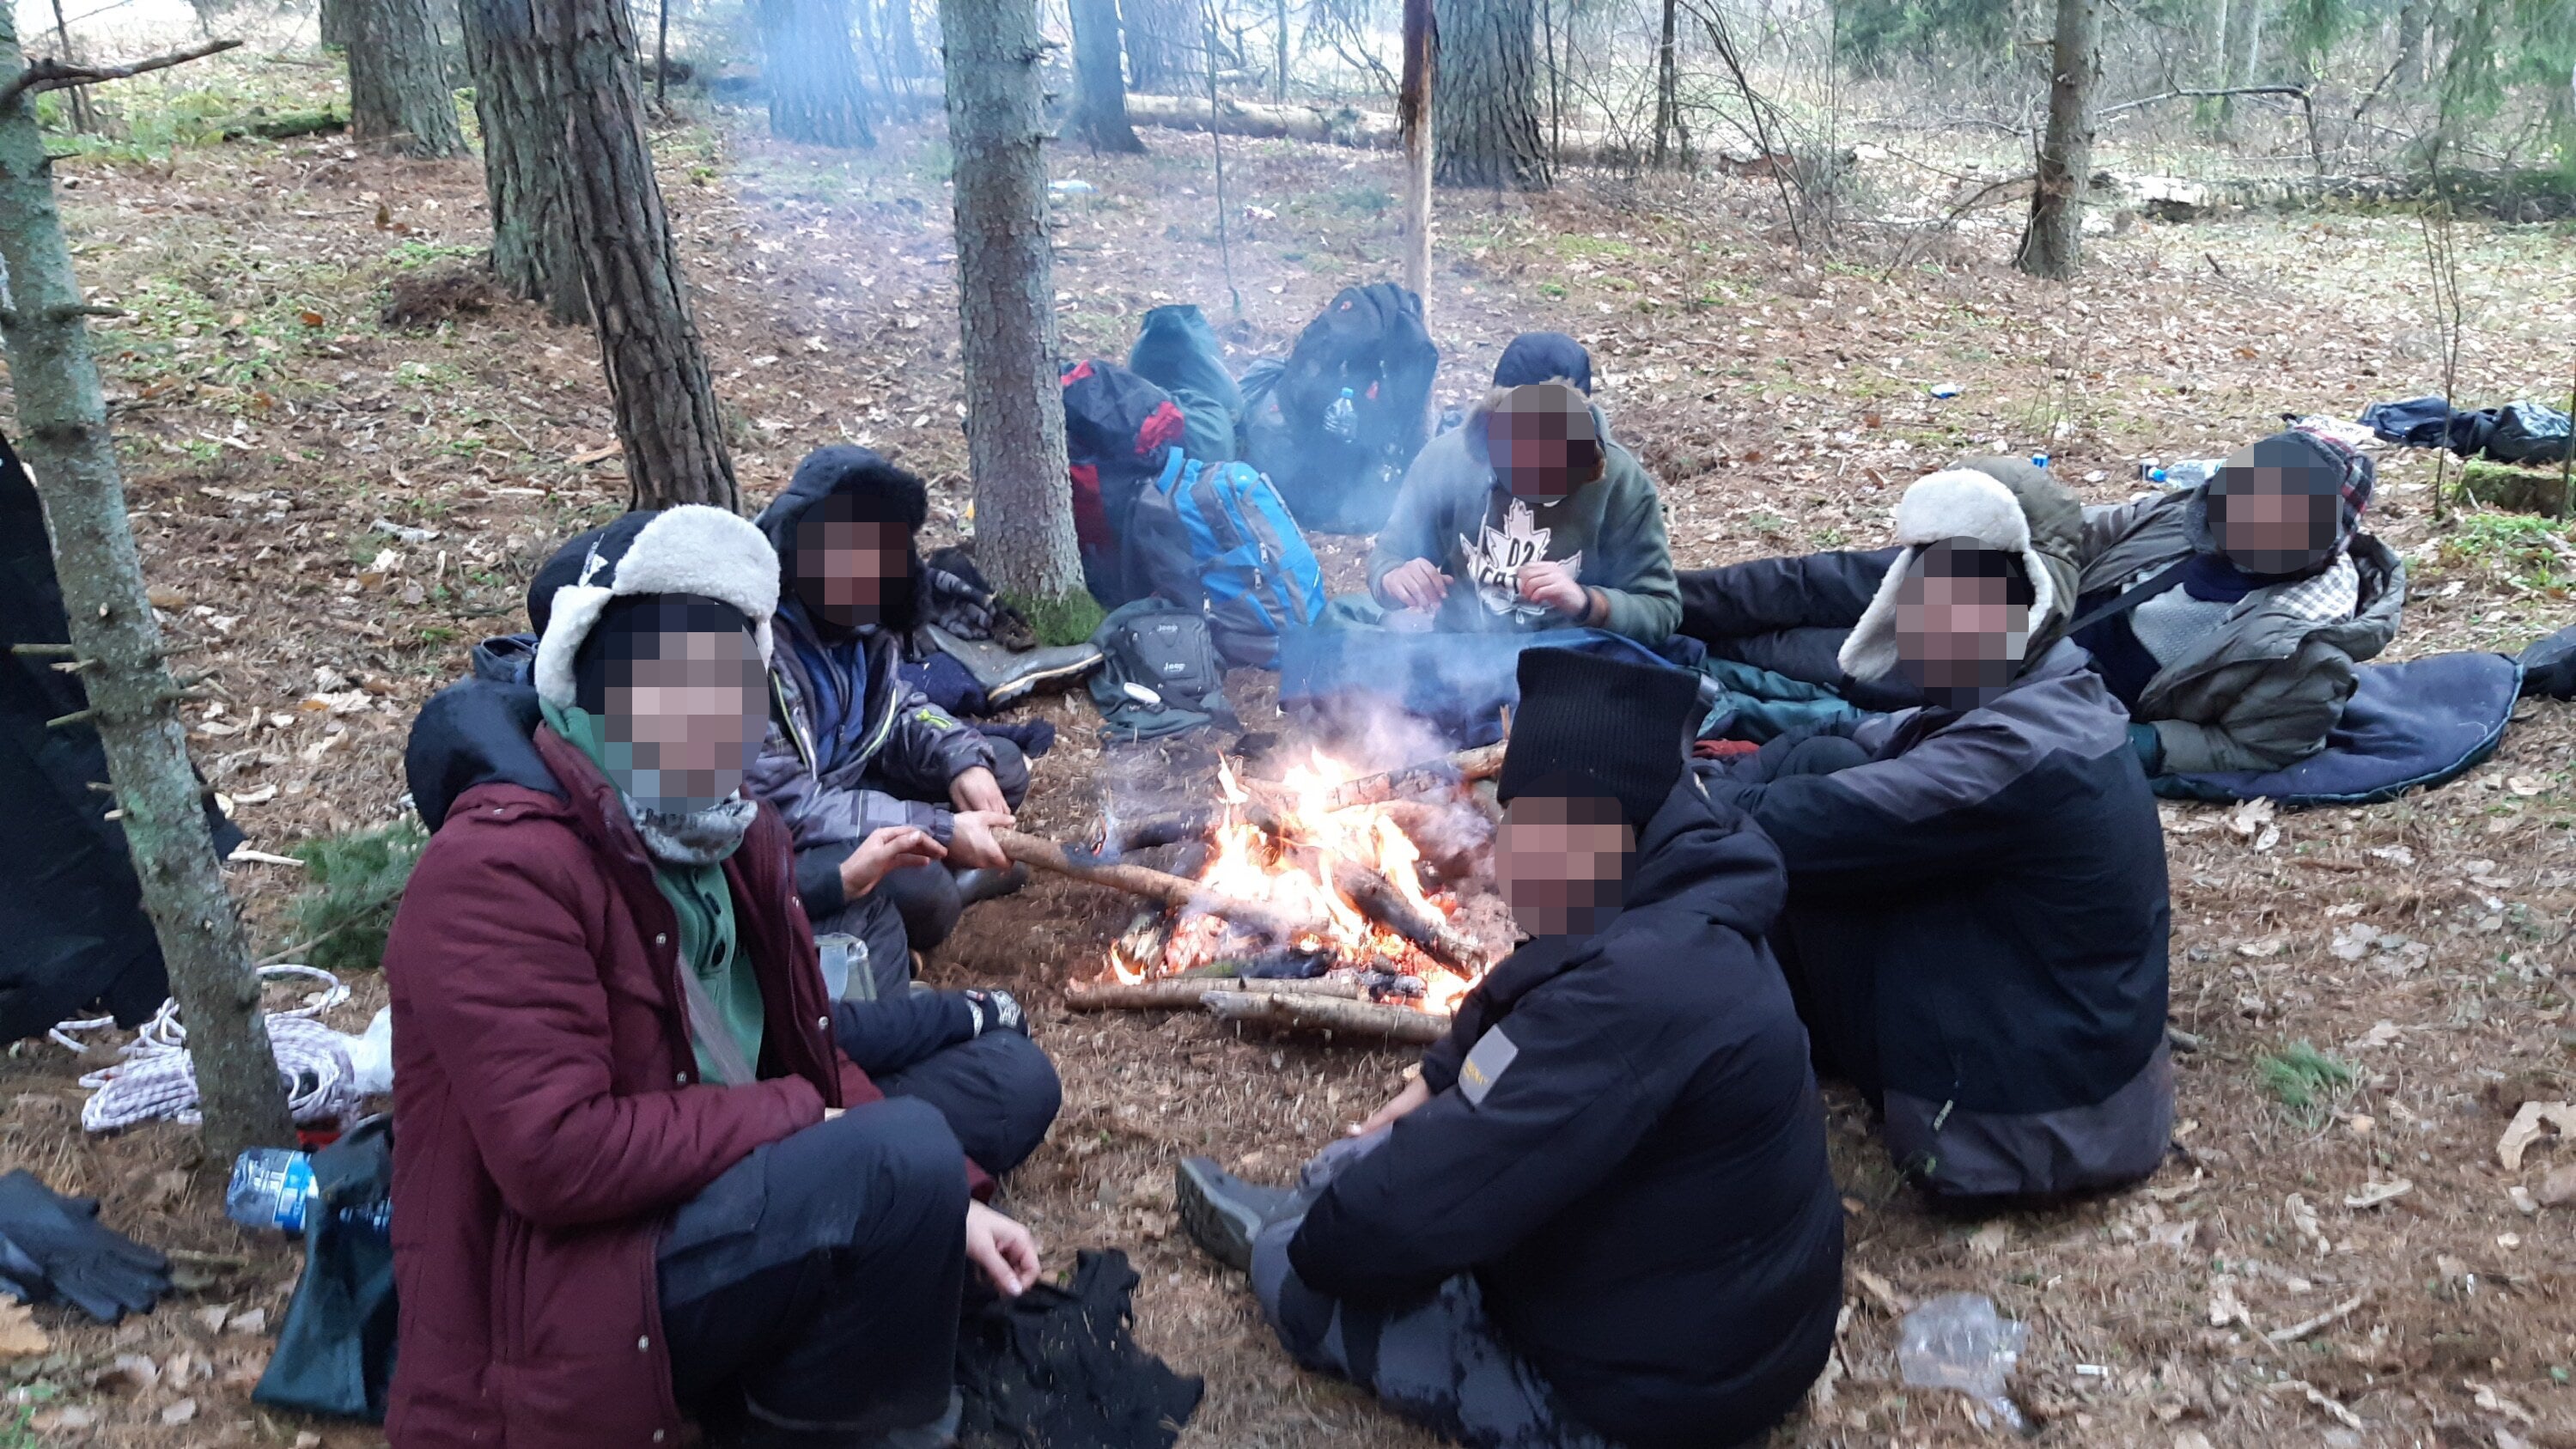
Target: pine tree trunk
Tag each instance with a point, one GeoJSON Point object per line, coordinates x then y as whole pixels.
{"type": "Point", "coordinates": [816, 95]}
{"type": "Point", "coordinates": [1485, 111]}
{"type": "Point", "coordinates": [1014, 406]}
{"type": "Point", "coordinates": [533, 254]}
{"type": "Point", "coordinates": [338, 20]}
{"type": "Point", "coordinates": [902, 41]}
{"type": "Point", "coordinates": [2052, 243]}
{"type": "Point", "coordinates": [1672, 140]}
{"type": "Point", "coordinates": [1100, 89]}
{"type": "Point", "coordinates": [62, 428]}
{"type": "Point", "coordinates": [1413, 112]}
{"type": "Point", "coordinates": [398, 91]}
{"type": "Point", "coordinates": [1279, 18]}
{"type": "Point", "coordinates": [1162, 45]}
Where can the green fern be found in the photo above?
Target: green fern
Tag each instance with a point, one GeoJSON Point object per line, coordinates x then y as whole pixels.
{"type": "Point", "coordinates": [354, 881]}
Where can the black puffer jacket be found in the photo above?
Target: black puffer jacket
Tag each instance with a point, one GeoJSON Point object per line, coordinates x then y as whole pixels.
{"type": "Point", "coordinates": [1636, 1170]}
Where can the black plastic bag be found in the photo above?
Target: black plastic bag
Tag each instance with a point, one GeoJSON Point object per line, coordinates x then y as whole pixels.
{"type": "Point", "coordinates": [335, 1352]}
{"type": "Point", "coordinates": [1059, 1368]}
{"type": "Point", "coordinates": [2549, 666]}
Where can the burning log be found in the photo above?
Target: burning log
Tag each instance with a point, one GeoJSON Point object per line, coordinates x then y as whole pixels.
{"type": "Point", "coordinates": [1154, 885]}
{"type": "Point", "coordinates": [1307, 1012]}
{"type": "Point", "coordinates": [1427, 777]}
{"type": "Point", "coordinates": [1180, 993]}
{"type": "Point", "coordinates": [1378, 899]}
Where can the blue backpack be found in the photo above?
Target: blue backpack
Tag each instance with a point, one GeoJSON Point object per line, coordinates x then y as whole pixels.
{"type": "Point", "coordinates": [1215, 537]}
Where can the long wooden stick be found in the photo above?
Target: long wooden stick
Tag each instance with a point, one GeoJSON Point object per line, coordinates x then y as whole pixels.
{"type": "Point", "coordinates": [1423, 778]}
{"type": "Point", "coordinates": [1325, 1013]}
{"type": "Point", "coordinates": [1154, 885]}
{"type": "Point", "coordinates": [1182, 993]}
{"type": "Point", "coordinates": [50, 75]}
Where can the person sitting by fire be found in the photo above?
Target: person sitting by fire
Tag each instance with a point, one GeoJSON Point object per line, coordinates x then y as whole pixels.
{"type": "Point", "coordinates": [1977, 915]}
{"type": "Point", "coordinates": [645, 1170]}
{"type": "Point", "coordinates": [892, 802]}
{"type": "Point", "coordinates": [1529, 516]}
{"type": "Point", "coordinates": [1603, 1212]}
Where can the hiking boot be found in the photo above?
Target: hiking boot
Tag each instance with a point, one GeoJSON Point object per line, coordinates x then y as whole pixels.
{"type": "Point", "coordinates": [1224, 1213]}
{"type": "Point", "coordinates": [985, 884]}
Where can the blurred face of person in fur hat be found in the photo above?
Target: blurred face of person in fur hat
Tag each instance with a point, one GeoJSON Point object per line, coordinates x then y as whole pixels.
{"type": "Point", "coordinates": [2272, 508]}
{"type": "Point", "coordinates": [849, 569]}
{"type": "Point", "coordinates": [683, 713]}
{"type": "Point", "coordinates": [1561, 861]}
{"type": "Point", "coordinates": [1962, 622]}
{"type": "Point", "coordinates": [1542, 442]}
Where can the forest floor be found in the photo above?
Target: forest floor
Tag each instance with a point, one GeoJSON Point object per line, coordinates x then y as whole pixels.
{"type": "Point", "coordinates": [2376, 990]}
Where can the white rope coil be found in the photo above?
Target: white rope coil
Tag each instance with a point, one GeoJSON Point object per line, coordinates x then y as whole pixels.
{"type": "Point", "coordinates": [157, 1079]}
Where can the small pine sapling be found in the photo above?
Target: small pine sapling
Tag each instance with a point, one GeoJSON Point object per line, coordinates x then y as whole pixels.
{"type": "Point", "coordinates": [356, 880]}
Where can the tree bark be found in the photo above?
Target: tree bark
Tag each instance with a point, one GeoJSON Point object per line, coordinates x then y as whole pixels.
{"type": "Point", "coordinates": [1485, 111]}
{"type": "Point", "coordinates": [533, 255]}
{"type": "Point", "coordinates": [1279, 19]}
{"type": "Point", "coordinates": [1413, 107]}
{"type": "Point", "coordinates": [1672, 137]}
{"type": "Point", "coordinates": [1162, 45]}
{"type": "Point", "coordinates": [1100, 88]}
{"type": "Point", "coordinates": [398, 91]}
{"type": "Point", "coordinates": [338, 22]}
{"type": "Point", "coordinates": [2052, 242]}
{"type": "Point", "coordinates": [816, 95]}
{"type": "Point", "coordinates": [62, 423]}
{"type": "Point", "coordinates": [2242, 39]}
{"type": "Point", "coordinates": [1006, 317]}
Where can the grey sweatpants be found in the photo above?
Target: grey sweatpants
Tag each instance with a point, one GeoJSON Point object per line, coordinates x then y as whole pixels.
{"type": "Point", "coordinates": [1439, 1362]}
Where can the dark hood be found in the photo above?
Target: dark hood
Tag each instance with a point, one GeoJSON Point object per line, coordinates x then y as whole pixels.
{"type": "Point", "coordinates": [2360, 478]}
{"type": "Point", "coordinates": [477, 732]}
{"type": "Point", "coordinates": [859, 472]}
{"type": "Point", "coordinates": [1702, 856]}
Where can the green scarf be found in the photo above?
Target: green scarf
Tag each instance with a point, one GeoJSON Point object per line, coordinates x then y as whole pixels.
{"type": "Point", "coordinates": [700, 899]}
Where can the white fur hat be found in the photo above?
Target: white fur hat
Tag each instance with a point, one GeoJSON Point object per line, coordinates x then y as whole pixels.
{"type": "Point", "coordinates": [1953, 503]}
{"type": "Point", "coordinates": [692, 549]}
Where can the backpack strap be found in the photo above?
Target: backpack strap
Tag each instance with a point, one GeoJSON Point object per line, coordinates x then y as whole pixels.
{"type": "Point", "coordinates": [2138, 593]}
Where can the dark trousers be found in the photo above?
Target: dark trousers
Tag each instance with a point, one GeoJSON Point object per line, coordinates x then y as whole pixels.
{"type": "Point", "coordinates": [1832, 979]}
{"type": "Point", "coordinates": [914, 910]}
{"type": "Point", "coordinates": [1439, 1362]}
{"type": "Point", "coordinates": [810, 1294]}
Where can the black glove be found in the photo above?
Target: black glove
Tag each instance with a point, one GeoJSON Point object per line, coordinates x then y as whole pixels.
{"type": "Point", "coordinates": [58, 1241]}
{"type": "Point", "coordinates": [996, 1011]}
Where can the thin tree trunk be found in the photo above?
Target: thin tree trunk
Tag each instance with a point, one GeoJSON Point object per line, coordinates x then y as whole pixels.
{"type": "Point", "coordinates": [2242, 38]}
{"type": "Point", "coordinates": [62, 426]}
{"type": "Point", "coordinates": [533, 254]}
{"type": "Point", "coordinates": [662, 54]}
{"type": "Point", "coordinates": [1485, 112]}
{"type": "Point", "coordinates": [1100, 88]}
{"type": "Point", "coordinates": [1280, 16]}
{"type": "Point", "coordinates": [1006, 316]}
{"type": "Point", "coordinates": [815, 92]}
{"type": "Point", "coordinates": [1555, 80]}
{"type": "Point", "coordinates": [1413, 111]}
{"type": "Point", "coordinates": [1672, 141]}
{"type": "Point", "coordinates": [76, 98]}
{"type": "Point", "coordinates": [902, 40]}
{"type": "Point", "coordinates": [1161, 45]}
{"type": "Point", "coordinates": [398, 91]}
{"type": "Point", "coordinates": [2052, 243]}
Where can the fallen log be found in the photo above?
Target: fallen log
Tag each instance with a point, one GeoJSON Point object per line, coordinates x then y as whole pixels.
{"type": "Point", "coordinates": [1180, 993]}
{"type": "Point", "coordinates": [1379, 900]}
{"type": "Point", "coordinates": [1293, 1012]}
{"type": "Point", "coordinates": [1415, 781]}
{"type": "Point", "coordinates": [1039, 853]}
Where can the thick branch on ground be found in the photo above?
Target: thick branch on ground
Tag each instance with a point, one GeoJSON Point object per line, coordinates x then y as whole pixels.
{"type": "Point", "coordinates": [1429, 777]}
{"type": "Point", "coordinates": [1181, 993]}
{"type": "Point", "coordinates": [1378, 899]}
{"type": "Point", "coordinates": [53, 75]}
{"type": "Point", "coordinates": [1289, 1012]}
{"type": "Point", "coordinates": [1153, 885]}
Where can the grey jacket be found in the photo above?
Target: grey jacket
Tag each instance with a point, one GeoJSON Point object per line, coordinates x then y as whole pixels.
{"type": "Point", "coordinates": [1616, 522]}
{"type": "Point", "coordinates": [2263, 692]}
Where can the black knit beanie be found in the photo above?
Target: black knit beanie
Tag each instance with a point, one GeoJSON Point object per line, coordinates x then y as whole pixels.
{"type": "Point", "coordinates": [1616, 730]}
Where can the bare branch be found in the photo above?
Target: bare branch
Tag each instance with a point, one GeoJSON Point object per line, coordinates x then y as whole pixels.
{"type": "Point", "coordinates": [2191, 93]}
{"type": "Point", "coordinates": [53, 75]}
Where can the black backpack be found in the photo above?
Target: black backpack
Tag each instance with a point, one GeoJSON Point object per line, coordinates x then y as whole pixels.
{"type": "Point", "coordinates": [1160, 672]}
{"type": "Point", "coordinates": [1338, 459]}
{"type": "Point", "coordinates": [1118, 431]}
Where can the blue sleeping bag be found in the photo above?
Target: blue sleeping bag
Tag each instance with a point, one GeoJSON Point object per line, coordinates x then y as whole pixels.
{"type": "Point", "coordinates": [1461, 683]}
{"type": "Point", "coordinates": [2409, 725]}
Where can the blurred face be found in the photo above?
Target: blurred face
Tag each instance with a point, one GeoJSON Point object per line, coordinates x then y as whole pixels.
{"type": "Point", "coordinates": [684, 719]}
{"type": "Point", "coordinates": [2272, 508]}
{"type": "Point", "coordinates": [848, 570]}
{"type": "Point", "coordinates": [1959, 637]}
{"type": "Point", "coordinates": [1561, 862]}
{"type": "Point", "coordinates": [1542, 442]}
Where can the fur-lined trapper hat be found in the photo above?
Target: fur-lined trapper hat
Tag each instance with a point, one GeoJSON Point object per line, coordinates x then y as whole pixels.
{"type": "Point", "coordinates": [688, 550]}
{"type": "Point", "coordinates": [2004, 504]}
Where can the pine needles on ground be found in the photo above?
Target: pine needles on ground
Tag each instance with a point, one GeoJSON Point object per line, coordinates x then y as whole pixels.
{"type": "Point", "coordinates": [356, 880]}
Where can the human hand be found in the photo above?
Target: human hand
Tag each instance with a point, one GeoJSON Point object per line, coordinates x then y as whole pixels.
{"type": "Point", "coordinates": [971, 843]}
{"type": "Point", "coordinates": [1415, 584]}
{"type": "Point", "coordinates": [1550, 582]}
{"type": "Point", "coordinates": [1007, 1252]}
{"type": "Point", "coordinates": [896, 847]}
{"type": "Point", "coordinates": [1415, 1093]}
{"type": "Point", "coordinates": [976, 789]}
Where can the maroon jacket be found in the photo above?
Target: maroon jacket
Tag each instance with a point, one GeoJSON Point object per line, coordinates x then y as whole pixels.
{"type": "Point", "coordinates": [547, 1112]}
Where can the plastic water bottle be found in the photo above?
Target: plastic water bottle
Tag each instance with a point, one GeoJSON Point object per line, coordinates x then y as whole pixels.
{"type": "Point", "coordinates": [2191, 472]}
{"type": "Point", "coordinates": [2039, 460]}
{"type": "Point", "coordinates": [1342, 419]}
{"type": "Point", "coordinates": [273, 1188]}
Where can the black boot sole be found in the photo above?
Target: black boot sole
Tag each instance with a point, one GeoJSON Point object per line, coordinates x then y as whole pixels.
{"type": "Point", "coordinates": [1223, 1230]}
